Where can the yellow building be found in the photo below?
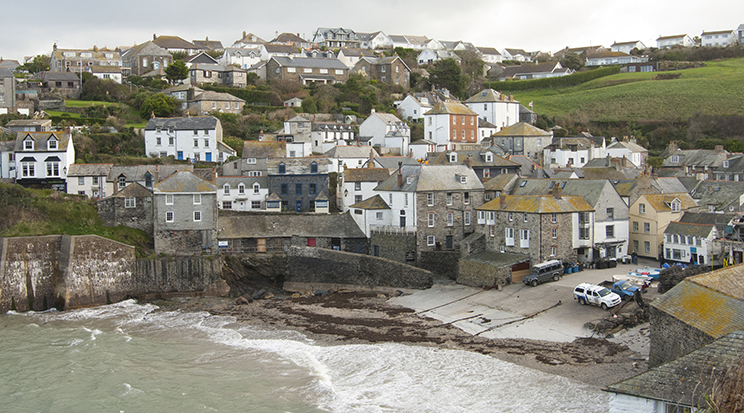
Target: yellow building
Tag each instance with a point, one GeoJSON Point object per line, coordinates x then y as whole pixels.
{"type": "Point", "coordinates": [649, 216]}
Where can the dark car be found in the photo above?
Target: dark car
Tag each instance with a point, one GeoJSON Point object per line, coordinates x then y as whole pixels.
{"type": "Point", "coordinates": [543, 272]}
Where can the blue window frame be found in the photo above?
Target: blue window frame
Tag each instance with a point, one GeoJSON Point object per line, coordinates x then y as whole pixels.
{"type": "Point", "coordinates": [285, 189]}
{"type": "Point", "coordinates": [313, 189]}
{"type": "Point", "coordinates": [282, 168]}
{"type": "Point", "coordinates": [298, 189]}
{"type": "Point", "coordinates": [314, 168]}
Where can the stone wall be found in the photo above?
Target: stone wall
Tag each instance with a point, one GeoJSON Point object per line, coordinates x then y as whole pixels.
{"type": "Point", "coordinates": [29, 270]}
{"type": "Point", "coordinates": [316, 265]}
{"type": "Point", "coordinates": [671, 338]}
{"type": "Point", "coordinates": [112, 212]}
{"type": "Point", "coordinates": [399, 247]}
{"type": "Point", "coordinates": [441, 263]}
{"type": "Point", "coordinates": [479, 274]}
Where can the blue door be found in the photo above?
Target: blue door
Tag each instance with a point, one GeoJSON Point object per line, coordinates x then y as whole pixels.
{"type": "Point", "coordinates": [208, 156]}
{"type": "Point", "coordinates": [179, 155]}
{"type": "Point", "coordinates": [298, 206]}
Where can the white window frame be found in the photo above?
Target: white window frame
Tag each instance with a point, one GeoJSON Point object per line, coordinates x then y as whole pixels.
{"type": "Point", "coordinates": [168, 199]}
{"type": "Point", "coordinates": [197, 216]}
{"type": "Point", "coordinates": [197, 199]}
{"type": "Point", "coordinates": [430, 198]}
{"type": "Point", "coordinates": [466, 218]}
{"type": "Point", "coordinates": [430, 220]}
{"type": "Point", "coordinates": [130, 202]}
{"type": "Point", "coordinates": [450, 219]}
{"type": "Point", "coordinates": [430, 240]}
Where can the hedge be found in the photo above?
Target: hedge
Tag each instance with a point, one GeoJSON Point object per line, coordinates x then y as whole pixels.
{"type": "Point", "coordinates": [551, 82]}
{"type": "Point", "coordinates": [250, 96]}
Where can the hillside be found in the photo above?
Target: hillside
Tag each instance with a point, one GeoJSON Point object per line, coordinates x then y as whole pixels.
{"type": "Point", "coordinates": [717, 89]}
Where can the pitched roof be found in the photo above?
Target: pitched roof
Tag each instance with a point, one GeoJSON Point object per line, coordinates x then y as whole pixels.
{"type": "Point", "coordinates": [662, 202]}
{"type": "Point", "coordinates": [310, 62]}
{"type": "Point", "coordinates": [693, 230]}
{"type": "Point", "coordinates": [500, 182]}
{"type": "Point", "coordinates": [538, 204]}
{"type": "Point", "coordinates": [709, 218]}
{"type": "Point", "coordinates": [40, 141]}
{"type": "Point", "coordinates": [133, 190]}
{"type": "Point", "coordinates": [489, 51]}
{"type": "Point", "coordinates": [450, 107]}
{"type": "Point", "coordinates": [208, 44]}
{"type": "Point", "coordinates": [530, 68]}
{"type": "Point", "coordinates": [489, 95]}
{"type": "Point", "coordinates": [522, 129]}
{"type": "Point", "coordinates": [216, 96]}
{"type": "Point", "coordinates": [366, 174]}
{"type": "Point", "coordinates": [260, 149]}
{"type": "Point", "coordinates": [89, 169]}
{"type": "Point", "coordinates": [186, 123]}
{"type": "Point", "coordinates": [146, 49]}
{"type": "Point", "coordinates": [174, 42]}
{"type": "Point", "coordinates": [425, 178]}
{"type": "Point", "coordinates": [267, 225]}
{"type": "Point", "coordinates": [588, 189]}
{"type": "Point", "coordinates": [686, 380]}
{"type": "Point", "coordinates": [375, 202]}
{"type": "Point", "coordinates": [350, 151]}
{"type": "Point", "coordinates": [185, 181]}
{"type": "Point", "coordinates": [632, 146]}
{"type": "Point", "coordinates": [476, 159]}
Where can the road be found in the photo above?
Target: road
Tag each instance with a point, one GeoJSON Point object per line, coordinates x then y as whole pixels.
{"type": "Point", "coordinates": [519, 311]}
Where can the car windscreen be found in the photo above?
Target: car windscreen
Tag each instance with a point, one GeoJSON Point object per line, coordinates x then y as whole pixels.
{"type": "Point", "coordinates": [603, 292]}
{"type": "Point", "coordinates": [625, 285]}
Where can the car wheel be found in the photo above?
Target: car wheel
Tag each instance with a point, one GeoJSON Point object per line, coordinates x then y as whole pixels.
{"type": "Point", "coordinates": [555, 277]}
{"type": "Point", "coordinates": [534, 283]}
{"type": "Point", "coordinates": [604, 306]}
{"type": "Point", "coordinates": [582, 301]}
{"type": "Point", "coordinates": [625, 297]}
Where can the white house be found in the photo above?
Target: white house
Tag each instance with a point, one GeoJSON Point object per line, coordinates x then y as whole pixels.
{"type": "Point", "coordinates": [720, 38]}
{"type": "Point", "coordinates": [429, 56]}
{"type": "Point", "coordinates": [386, 131]}
{"type": "Point", "coordinates": [197, 138]}
{"type": "Point", "coordinates": [516, 54]}
{"type": "Point", "coordinates": [349, 156]}
{"type": "Point", "coordinates": [89, 180]}
{"type": "Point", "coordinates": [573, 152]}
{"type": "Point", "coordinates": [413, 107]}
{"type": "Point", "coordinates": [637, 154]}
{"type": "Point", "coordinates": [293, 103]}
{"type": "Point", "coordinates": [613, 58]}
{"type": "Point", "coordinates": [490, 55]}
{"type": "Point", "coordinates": [372, 212]}
{"type": "Point", "coordinates": [376, 40]}
{"type": "Point", "coordinates": [496, 108]}
{"type": "Point", "coordinates": [243, 57]}
{"type": "Point", "coordinates": [325, 135]}
{"type": "Point", "coordinates": [358, 184]}
{"type": "Point", "coordinates": [421, 148]}
{"type": "Point", "coordinates": [627, 47]}
{"type": "Point", "coordinates": [242, 193]}
{"type": "Point", "coordinates": [665, 42]}
{"type": "Point", "coordinates": [7, 159]}
{"type": "Point", "coordinates": [43, 159]}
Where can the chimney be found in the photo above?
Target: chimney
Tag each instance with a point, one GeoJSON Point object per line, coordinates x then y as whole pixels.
{"type": "Point", "coordinates": [719, 148]}
{"type": "Point", "coordinates": [557, 191]}
{"type": "Point", "coordinates": [400, 175]}
{"type": "Point", "coordinates": [609, 163]}
{"type": "Point", "coordinates": [154, 36]}
{"type": "Point", "coordinates": [673, 146]}
{"type": "Point", "coordinates": [468, 162]}
{"type": "Point", "coordinates": [502, 201]}
{"type": "Point", "coordinates": [244, 34]}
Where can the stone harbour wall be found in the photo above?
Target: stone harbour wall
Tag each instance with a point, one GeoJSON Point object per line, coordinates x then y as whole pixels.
{"type": "Point", "coordinates": [478, 274]}
{"type": "Point", "coordinates": [29, 269]}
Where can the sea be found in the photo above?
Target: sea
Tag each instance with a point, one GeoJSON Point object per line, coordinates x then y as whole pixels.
{"type": "Point", "coordinates": [128, 357]}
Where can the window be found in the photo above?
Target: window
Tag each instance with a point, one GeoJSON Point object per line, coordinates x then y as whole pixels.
{"type": "Point", "coordinates": [196, 142]}
{"type": "Point", "coordinates": [430, 240]}
{"type": "Point", "coordinates": [307, 70]}
{"type": "Point", "coordinates": [635, 226]}
{"type": "Point", "coordinates": [635, 245]}
{"type": "Point", "coordinates": [405, 200]}
{"type": "Point", "coordinates": [466, 217]}
{"type": "Point", "coordinates": [430, 199]}
{"type": "Point", "coordinates": [312, 190]}
{"type": "Point", "coordinates": [357, 199]}
{"type": "Point", "coordinates": [390, 198]}
{"type": "Point", "coordinates": [197, 199]}
{"type": "Point", "coordinates": [226, 189]}
{"type": "Point", "coordinates": [491, 231]}
{"type": "Point", "coordinates": [524, 238]}
{"type": "Point", "coordinates": [255, 204]}
{"type": "Point", "coordinates": [553, 251]}
{"type": "Point", "coordinates": [431, 220]}
{"type": "Point", "coordinates": [170, 141]}
{"type": "Point", "coordinates": [241, 188]}
{"type": "Point", "coordinates": [641, 208]}
{"type": "Point", "coordinates": [169, 216]}
{"type": "Point", "coordinates": [298, 189]}
{"type": "Point", "coordinates": [81, 180]}
{"type": "Point", "coordinates": [583, 233]}
{"type": "Point", "coordinates": [28, 145]}
{"type": "Point", "coordinates": [466, 198]}
{"type": "Point", "coordinates": [29, 169]}
{"type": "Point", "coordinates": [555, 232]}
{"type": "Point", "coordinates": [610, 231]}
{"type": "Point", "coordinates": [250, 161]}
{"type": "Point", "coordinates": [554, 218]}
{"type": "Point", "coordinates": [647, 246]}
{"type": "Point", "coordinates": [206, 143]}
{"type": "Point", "coordinates": [168, 199]}
{"type": "Point", "coordinates": [52, 144]}
{"type": "Point", "coordinates": [450, 219]}
{"type": "Point", "coordinates": [197, 216]}
{"type": "Point", "coordinates": [256, 188]}
{"type": "Point", "coordinates": [282, 168]}
{"type": "Point", "coordinates": [357, 186]}
{"type": "Point", "coordinates": [676, 206]}
{"type": "Point", "coordinates": [449, 198]}
{"type": "Point", "coordinates": [226, 204]}
{"type": "Point", "coordinates": [284, 189]}
{"type": "Point", "coordinates": [314, 168]}
{"type": "Point", "coordinates": [487, 173]}
{"type": "Point", "coordinates": [158, 141]}
{"type": "Point", "coordinates": [130, 202]}
{"type": "Point", "coordinates": [611, 213]}
{"type": "Point", "coordinates": [524, 217]}
{"type": "Point", "coordinates": [254, 173]}
{"type": "Point", "coordinates": [646, 227]}
{"type": "Point", "coordinates": [509, 235]}
{"type": "Point", "coordinates": [378, 215]}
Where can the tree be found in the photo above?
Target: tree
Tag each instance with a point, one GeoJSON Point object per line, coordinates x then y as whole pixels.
{"type": "Point", "coordinates": [40, 63]}
{"type": "Point", "coordinates": [572, 61]}
{"type": "Point", "coordinates": [309, 105]}
{"type": "Point", "coordinates": [446, 73]}
{"type": "Point", "coordinates": [158, 104]}
{"type": "Point", "coordinates": [177, 71]}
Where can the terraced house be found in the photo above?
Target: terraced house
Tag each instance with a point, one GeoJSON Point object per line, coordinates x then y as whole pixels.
{"type": "Point", "coordinates": [307, 70]}
{"type": "Point", "coordinates": [42, 159]}
{"type": "Point", "coordinates": [650, 215]}
{"type": "Point", "coordinates": [451, 123]}
{"type": "Point", "coordinates": [197, 138]}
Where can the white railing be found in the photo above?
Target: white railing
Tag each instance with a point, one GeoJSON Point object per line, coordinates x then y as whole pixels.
{"type": "Point", "coordinates": [389, 229]}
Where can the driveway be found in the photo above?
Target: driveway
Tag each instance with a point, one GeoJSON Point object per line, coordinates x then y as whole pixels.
{"type": "Point", "coordinates": [546, 312]}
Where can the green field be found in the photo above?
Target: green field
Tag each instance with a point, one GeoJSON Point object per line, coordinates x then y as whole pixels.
{"type": "Point", "coordinates": [65, 114]}
{"type": "Point", "coordinates": [86, 103]}
{"type": "Point", "coordinates": [717, 89]}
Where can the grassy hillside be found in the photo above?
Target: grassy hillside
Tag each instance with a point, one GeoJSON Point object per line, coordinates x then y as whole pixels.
{"type": "Point", "coordinates": [717, 89]}
{"type": "Point", "coordinates": [28, 212]}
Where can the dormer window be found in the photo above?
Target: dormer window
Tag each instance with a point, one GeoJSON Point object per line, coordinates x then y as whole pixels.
{"type": "Point", "coordinates": [461, 178]}
{"type": "Point", "coordinates": [725, 164]}
{"type": "Point", "coordinates": [282, 168]}
{"type": "Point", "coordinates": [52, 144]}
{"type": "Point", "coordinates": [675, 158]}
{"type": "Point", "coordinates": [314, 168]}
{"type": "Point", "coordinates": [28, 144]}
{"type": "Point", "coordinates": [256, 188]}
{"type": "Point", "coordinates": [676, 205]}
{"type": "Point", "coordinates": [453, 157]}
{"type": "Point", "coordinates": [489, 157]}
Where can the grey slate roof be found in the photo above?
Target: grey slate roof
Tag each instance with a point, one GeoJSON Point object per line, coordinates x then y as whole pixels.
{"type": "Point", "coordinates": [687, 379]}
{"type": "Point", "coordinates": [133, 190]}
{"type": "Point", "coordinates": [60, 77]}
{"type": "Point", "coordinates": [89, 169]}
{"type": "Point", "coordinates": [137, 172]}
{"type": "Point", "coordinates": [425, 178]}
{"type": "Point", "coordinates": [310, 62]}
{"type": "Point", "coordinates": [375, 202]}
{"type": "Point", "coordinates": [187, 123]}
{"type": "Point", "coordinates": [40, 141]}
{"type": "Point", "coordinates": [185, 181]}
{"type": "Point", "coordinates": [5, 72]}
{"type": "Point", "coordinates": [391, 162]}
{"type": "Point", "coordinates": [248, 181]}
{"type": "Point", "coordinates": [709, 218]}
{"type": "Point", "coordinates": [589, 189]}
{"type": "Point", "coordinates": [351, 151]}
{"type": "Point", "coordinates": [693, 230]}
{"type": "Point", "coordinates": [266, 225]}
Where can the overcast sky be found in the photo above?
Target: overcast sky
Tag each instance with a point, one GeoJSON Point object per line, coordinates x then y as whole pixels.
{"type": "Point", "coordinates": [546, 25]}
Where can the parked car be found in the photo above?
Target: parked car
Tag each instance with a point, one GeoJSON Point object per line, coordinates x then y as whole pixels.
{"type": "Point", "coordinates": [623, 288]}
{"type": "Point", "coordinates": [647, 272]}
{"type": "Point", "coordinates": [543, 272]}
{"type": "Point", "coordinates": [586, 293]}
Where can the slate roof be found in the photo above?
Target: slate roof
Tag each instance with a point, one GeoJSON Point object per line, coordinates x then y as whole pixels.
{"type": "Point", "coordinates": [588, 189]}
{"type": "Point", "coordinates": [248, 181]}
{"type": "Point", "coordinates": [89, 169]}
{"type": "Point", "coordinates": [311, 62]}
{"type": "Point", "coordinates": [29, 122]}
{"type": "Point", "coordinates": [174, 42]}
{"type": "Point", "coordinates": [522, 129]}
{"type": "Point", "coordinates": [5, 72]}
{"type": "Point", "coordinates": [187, 123]}
{"type": "Point", "coordinates": [40, 141]}
{"type": "Point", "coordinates": [366, 174]}
{"type": "Point", "coordinates": [718, 193]}
{"type": "Point", "coordinates": [694, 230]}
{"type": "Point", "coordinates": [661, 202]}
{"type": "Point", "coordinates": [375, 202]}
{"type": "Point", "coordinates": [146, 49]}
{"type": "Point", "coordinates": [477, 159]}
{"type": "Point", "coordinates": [133, 190]}
{"type": "Point", "coordinates": [529, 68]}
{"type": "Point", "coordinates": [350, 151]}
{"type": "Point", "coordinates": [216, 96]}
{"type": "Point", "coordinates": [7, 146]}
{"type": "Point", "coordinates": [678, 36]}
{"type": "Point", "coordinates": [488, 51]}
{"type": "Point", "coordinates": [607, 173]}
{"type": "Point", "coordinates": [391, 162]}
{"type": "Point", "coordinates": [538, 204]}
{"type": "Point", "coordinates": [697, 157]}
{"type": "Point", "coordinates": [499, 182]}
{"type": "Point", "coordinates": [137, 172]}
{"type": "Point", "coordinates": [450, 107]}
{"type": "Point", "coordinates": [267, 225]}
{"type": "Point", "coordinates": [427, 178]}
{"type": "Point", "coordinates": [185, 181]}
{"type": "Point", "coordinates": [289, 38]}
{"type": "Point", "coordinates": [633, 147]}
{"type": "Point", "coordinates": [208, 44]}
{"type": "Point", "coordinates": [60, 77]}
{"type": "Point", "coordinates": [624, 188]}
{"type": "Point", "coordinates": [356, 52]}
{"type": "Point", "coordinates": [488, 95]}
{"type": "Point", "coordinates": [708, 218]}
{"type": "Point", "coordinates": [260, 150]}
{"type": "Point", "coordinates": [688, 379]}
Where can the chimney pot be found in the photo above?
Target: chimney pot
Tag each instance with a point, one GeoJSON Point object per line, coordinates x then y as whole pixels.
{"type": "Point", "coordinates": [502, 201]}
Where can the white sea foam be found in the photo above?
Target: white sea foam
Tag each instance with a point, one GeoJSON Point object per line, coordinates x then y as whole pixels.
{"type": "Point", "coordinates": [130, 391]}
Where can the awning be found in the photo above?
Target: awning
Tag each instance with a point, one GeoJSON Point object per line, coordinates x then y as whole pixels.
{"type": "Point", "coordinates": [611, 241]}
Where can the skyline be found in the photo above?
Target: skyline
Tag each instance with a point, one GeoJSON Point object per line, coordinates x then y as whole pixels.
{"type": "Point", "coordinates": [530, 25]}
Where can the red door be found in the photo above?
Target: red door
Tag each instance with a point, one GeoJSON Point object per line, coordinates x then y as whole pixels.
{"type": "Point", "coordinates": [311, 242]}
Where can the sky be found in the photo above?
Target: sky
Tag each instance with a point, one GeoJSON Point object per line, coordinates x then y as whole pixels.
{"type": "Point", "coordinates": [544, 25]}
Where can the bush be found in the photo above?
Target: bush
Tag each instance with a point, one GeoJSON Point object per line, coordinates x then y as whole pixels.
{"type": "Point", "coordinates": [551, 82]}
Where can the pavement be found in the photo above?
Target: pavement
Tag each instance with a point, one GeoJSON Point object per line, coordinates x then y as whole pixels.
{"type": "Point", "coordinates": [546, 312]}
